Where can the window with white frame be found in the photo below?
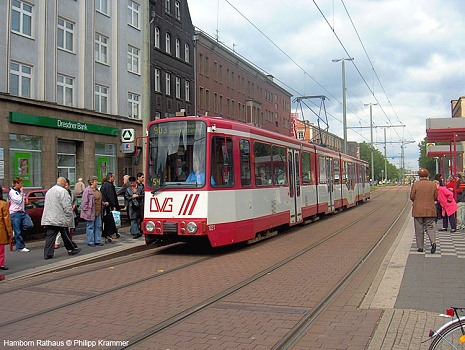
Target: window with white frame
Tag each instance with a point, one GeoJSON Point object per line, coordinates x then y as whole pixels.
{"type": "Point", "coordinates": [178, 48]}
{"type": "Point", "coordinates": [133, 59]}
{"type": "Point", "coordinates": [168, 43]}
{"type": "Point", "coordinates": [102, 6]}
{"type": "Point", "coordinates": [133, 14]}
{"type": "Point", "coordinates": [168, 6]}
{"type": "Point", "coordinates": [101, 99]}
{"type": "Point", "coordinates": [157, 80]}
{"type": "Point", "coordinates": [20, 79]}
{"type": "Point", "coordinates": [65, 90]}
{"type": "Point", "coordinates": [178, 87]}
{"type": "Point", "coordinates": [168, 83]}
{"type": "Point", "coordinates": [65, 34]}
{"type": "Point", "coordinates": [101, 48]}
{"type": "Point", "coordinates": [177, 10]}
{"type": "Point", "coordinates": [133, 105]}
{"type": "Point", "coordinates": [186, 53]}
{"type": "Point", "coordinates": [21, 17]}
{"type": "Point", "coordinates": [187, 90]}
{"type": "Point", "coordinates": [157, 37]}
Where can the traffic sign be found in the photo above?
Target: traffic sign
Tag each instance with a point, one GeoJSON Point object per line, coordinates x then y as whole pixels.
{"type": "Point", "coordinates": [127, 135]}
{"type": "Point", "coordinates": [127, 147]}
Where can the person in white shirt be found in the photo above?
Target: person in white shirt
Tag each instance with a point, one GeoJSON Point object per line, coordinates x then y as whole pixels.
{"type": "Point", "coordinates": [17, 201]}
{"type": "Point", "coordinates": [58, 214]}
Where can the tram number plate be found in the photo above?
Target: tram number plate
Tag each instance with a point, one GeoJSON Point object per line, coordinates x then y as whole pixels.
{"type": "Point", "coordinates": [211, 227]}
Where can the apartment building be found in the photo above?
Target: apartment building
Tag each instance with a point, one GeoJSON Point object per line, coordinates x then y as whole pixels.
{"type": "Point", "coordinates": [171, 59]}
{"type": "Point", "coordinates": [231, 87]}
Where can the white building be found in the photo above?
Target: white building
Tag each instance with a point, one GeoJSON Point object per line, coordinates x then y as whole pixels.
{"type": "Point", "coordinates": [72, 61]}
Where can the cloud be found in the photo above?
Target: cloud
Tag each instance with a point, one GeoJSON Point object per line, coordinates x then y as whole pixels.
{"type": "Point", "coordinates": [414, 49]}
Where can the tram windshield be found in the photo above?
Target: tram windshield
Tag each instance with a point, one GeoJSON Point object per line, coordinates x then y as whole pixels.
{"type": "Point", "coordinates": [176, 155]}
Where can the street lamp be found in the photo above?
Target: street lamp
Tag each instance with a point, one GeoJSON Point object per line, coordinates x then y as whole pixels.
{"type": "Point", "coordinates": [371, 132]}
{"type": "Point", "coordinates": [344, 108]}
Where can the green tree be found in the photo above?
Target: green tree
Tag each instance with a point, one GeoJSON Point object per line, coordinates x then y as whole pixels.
{"type": "Point", "coordinates": [429, 163]}
{"type": "Point", "coordinates": [393, 173]}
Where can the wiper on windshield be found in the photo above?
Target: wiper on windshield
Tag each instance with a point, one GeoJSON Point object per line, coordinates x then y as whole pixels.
{"type": "Point", "coordinates": [157, 188]}
{"type": "Point", "coordinates": [176, 184]}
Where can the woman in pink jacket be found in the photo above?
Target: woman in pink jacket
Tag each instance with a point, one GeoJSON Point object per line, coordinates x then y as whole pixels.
{"type": "Point", "coordinates": [449, 207]}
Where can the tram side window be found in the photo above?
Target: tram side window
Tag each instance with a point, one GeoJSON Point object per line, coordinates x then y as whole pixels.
{"type": "Point", "coordinates": [222, 174]}
{"type": "Point", "coordinates": [322, 170]}
{"type": "Point", "coordinates": [279, 165]}
{"type": "Point", "coordinates": [262, 164]}
{"type": "Point", "coordinates": [244, 147]}
{"type": "Point", "coordinates": [352, 176]}
{"type": "Point", "coordinates": [345, 175]}
{"type": "Point", "coordinates": [337, 173]}
{"type": "Point", "coordinates": [306, 171]}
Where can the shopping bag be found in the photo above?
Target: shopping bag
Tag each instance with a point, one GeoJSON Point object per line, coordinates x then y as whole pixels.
{"type": "Point", "coordinates": [27, 223]}
{"type": "Point", "coordinates": [117, 218]}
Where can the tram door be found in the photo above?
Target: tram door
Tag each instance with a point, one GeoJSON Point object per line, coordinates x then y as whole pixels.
{"type": "Point", "coordinates": [293, 157]}
{"type": "Point", "coordinates": [330, 177]}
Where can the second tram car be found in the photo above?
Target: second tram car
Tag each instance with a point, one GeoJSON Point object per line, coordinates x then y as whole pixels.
{"type": "Point", "coordinates": [230, 182]}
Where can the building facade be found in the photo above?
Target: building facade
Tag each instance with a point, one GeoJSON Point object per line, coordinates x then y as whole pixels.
{"type": "Point", "coordinates": [71, 81]}
{"type": "Point", "coordinates": [229, 86]}
{"type": "Point", "coordinates": [172, 84]}
{"type": "Point", "coordinates": [307, 131]}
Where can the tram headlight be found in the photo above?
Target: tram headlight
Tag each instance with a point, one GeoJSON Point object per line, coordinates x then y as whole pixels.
{"type": "Point", "coordinates": [150, 226]}
{"type": "Point", "coordinates": [191, 227]}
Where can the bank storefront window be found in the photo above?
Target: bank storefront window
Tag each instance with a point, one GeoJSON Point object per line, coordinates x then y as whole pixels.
{"type": "Point", "coordinates": [105, 159]}
{"type": "Point", "coordinates": [66, 160]}
{"type": "Point", "coordinates": [26, 159]}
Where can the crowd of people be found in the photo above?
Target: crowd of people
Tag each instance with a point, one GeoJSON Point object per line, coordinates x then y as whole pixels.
{"type": "Point", "coordinates": [61, 216]}
{"type": "Point", "coordinates": [434, 201]}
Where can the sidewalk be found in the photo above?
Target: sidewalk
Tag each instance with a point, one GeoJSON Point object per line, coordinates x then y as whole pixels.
{"type": "Point", "coordinates": [23, 265]}
{"type": "Point", "coordinates": [414, 289]}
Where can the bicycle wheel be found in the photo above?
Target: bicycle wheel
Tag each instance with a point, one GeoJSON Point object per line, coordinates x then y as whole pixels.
{"type": "Point", "coordinates": [451, 337]}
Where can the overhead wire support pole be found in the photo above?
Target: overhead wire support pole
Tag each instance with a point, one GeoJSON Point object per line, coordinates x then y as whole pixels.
{"type": "Point", "coordinates": [371, 139]}
{"type": "Point", "coordinates": [385, 127]}
{"type": "Point", "coordinates": [344, 102]}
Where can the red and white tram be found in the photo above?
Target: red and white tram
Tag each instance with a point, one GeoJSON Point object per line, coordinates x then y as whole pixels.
{"type": "Point", "coordinates": [231, 182]}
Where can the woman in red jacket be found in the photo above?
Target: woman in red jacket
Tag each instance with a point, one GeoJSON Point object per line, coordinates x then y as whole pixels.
{"type": "Point", "coordinates": [449, 207]}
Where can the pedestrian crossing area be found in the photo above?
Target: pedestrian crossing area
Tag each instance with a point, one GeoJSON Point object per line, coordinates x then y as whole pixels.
{"type": "Point", "coordinates": [447, 244]}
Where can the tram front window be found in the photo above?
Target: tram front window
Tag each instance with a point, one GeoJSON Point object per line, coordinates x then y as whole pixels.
{"type": "Point", "coordinates": [176, 156]}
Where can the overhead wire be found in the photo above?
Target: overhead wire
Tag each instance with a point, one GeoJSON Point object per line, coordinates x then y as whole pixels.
{"type": "Point", "coordinates": [372, 66]}
{"type": "Point", "coordinates": [312, 78]}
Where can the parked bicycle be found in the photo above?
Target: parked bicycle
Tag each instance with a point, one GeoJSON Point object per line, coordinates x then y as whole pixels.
{"type": "Point", "coordinates": [452, 334]}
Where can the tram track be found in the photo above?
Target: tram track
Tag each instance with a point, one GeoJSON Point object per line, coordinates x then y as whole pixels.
{"type": "Point", "coordinates": [150, 278]}
{"type": "Point", "coordinates": [102, 294]}
{"type": "Point", "coordinates": [287, 341]}
{"type": "Point", "coordinates": [292, 336]}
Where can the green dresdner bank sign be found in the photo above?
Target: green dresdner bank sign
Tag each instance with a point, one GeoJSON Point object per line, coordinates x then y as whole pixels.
{"type": "Point", "coordinates": [47, 122]}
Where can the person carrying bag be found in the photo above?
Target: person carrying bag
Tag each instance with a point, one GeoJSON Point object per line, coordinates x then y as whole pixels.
{"type": "Point", "coordinates": [17, 212]}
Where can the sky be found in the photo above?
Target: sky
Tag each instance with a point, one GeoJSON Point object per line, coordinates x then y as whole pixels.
{"type": "Point", "coordinates": [409, 58]}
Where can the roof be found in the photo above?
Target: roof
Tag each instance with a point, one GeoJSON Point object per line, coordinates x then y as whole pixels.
{"type": "Point", "coordinates": [442, 150]}
{"type": "Point", "coordinates": [445, 129]}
